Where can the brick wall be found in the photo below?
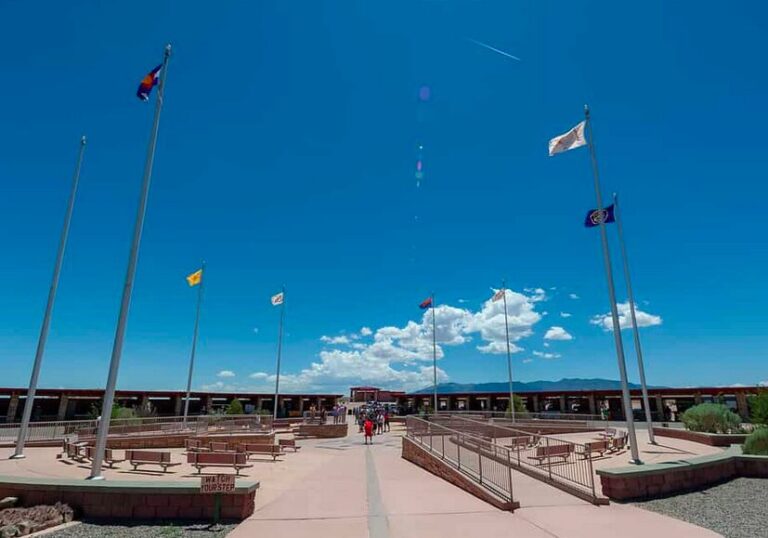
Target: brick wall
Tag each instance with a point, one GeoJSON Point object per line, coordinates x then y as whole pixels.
{"type": "Point", "coordinates": [711, 439]}
{"type": "Point", "coordinates": [323, 431]}
{"type": "Point", "coordinates": [115, 501]}
{"type": "Point", "coordinates": [677, 477]}
{"type": "Point", "coordinates": [417, 455]}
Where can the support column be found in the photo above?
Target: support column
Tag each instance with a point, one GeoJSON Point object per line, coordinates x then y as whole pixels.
{"type": "Point", "coordinates": [144, 402]}
{"type": "Point", "coordinates": [741, 405]}
{"type": "Point", "coordinates": [63, 403]}
{"type": "Point", "coordinates": [563, 405]}
{"type": "Point", "coordinates": [13, 404]}
{"type": "Point", "coordinates": [178, 405]}
{"type": "Point", "coordinates": [697, 398]}
{"type": "Point", "coordinates": [592, 404]}
{"type": "Point", "coordinates": [301, 405]}
{"type": "Point", "coordinates": [536, 403]}
{"type": "Point", "coordinates": [659, 407]}
{"type": "Point", "coordinates": [208, 404]}
{"type": "Point", "coordinates": [259, 402]}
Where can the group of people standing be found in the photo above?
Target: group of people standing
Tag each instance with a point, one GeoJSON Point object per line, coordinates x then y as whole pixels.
{"type": "Point", "coordinates": [372, 422]}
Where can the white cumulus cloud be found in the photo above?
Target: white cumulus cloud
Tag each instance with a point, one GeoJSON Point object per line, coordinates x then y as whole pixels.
{"type": "Point", "coordinates": [573, 296]}
{"type": "Point", "coordinates": [334, 339]}
{"type": "Point", "coordinates": [644, 319]}
{"type": "Point", "coordinates": [557, 333]}
{"type": "Point", "coordinates": [565, 315]}
{"type": "Point", "coordinates": [544, 355]}
{"type": "Point", "coordinates": [226, 373]}
{"type": "Point", "coordinates": [401, 356]}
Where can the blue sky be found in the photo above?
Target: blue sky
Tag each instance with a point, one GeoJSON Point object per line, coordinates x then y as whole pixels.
{"type": "Point", "coordinates": [286, 155]}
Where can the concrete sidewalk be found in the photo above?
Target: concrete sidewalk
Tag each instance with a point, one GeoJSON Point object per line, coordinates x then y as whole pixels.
{"type": "Point", "coordinates": [370, 491]}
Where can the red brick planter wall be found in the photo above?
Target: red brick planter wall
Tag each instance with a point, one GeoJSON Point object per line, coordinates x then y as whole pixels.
{"type": "Point", "coordinates": [665, 479]}
{"type": "Point", "coordinates": [323, 431]}
{"type": "Point", "coordinates": [115, 500]}
{"type": "Point", "coordinates": [711, 439]}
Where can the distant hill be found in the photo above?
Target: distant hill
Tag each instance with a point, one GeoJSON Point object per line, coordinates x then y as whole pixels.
{"type": "Point", "coordinates": [531, 386]}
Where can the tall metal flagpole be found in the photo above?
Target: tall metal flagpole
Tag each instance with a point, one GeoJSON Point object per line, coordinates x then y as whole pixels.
{"type": "Point", "coordinates": [194, 341]}
{"type": "Point", "coordinates": [279, 354]}
{"type": "Point", "coordinates": [612, 296]}
{"type": "Point", "coordinates": [125, 303]}
{"type": "Point", "coordinates": [434, 352]}
{"type": "Point", "coordinates": [509, 352]}
{"type": "Point", "coordinates": [635, 332]}
{"type": "Point", "coordinates": [30, 400]}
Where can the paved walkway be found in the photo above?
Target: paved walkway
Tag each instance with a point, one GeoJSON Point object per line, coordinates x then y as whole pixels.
{"type": "Point", "coordinates": [360, 491]}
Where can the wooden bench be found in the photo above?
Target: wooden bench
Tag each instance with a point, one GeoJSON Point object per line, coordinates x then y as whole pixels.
{"type": "Point", "coordinates": [609, 433]}
{"type": "Point", "coordinates": [75, 451]}
{"type": "Point", "coordinates": [285, 443]}
{"type": "Point", "coordinates": [193, 445]}
{"type": "Point", "coordinates": [218, 446]}
{"type": "Point", "coordinates": [601, 447]}
{"type": "Point", "coordinates": [563, 451]}
{"type": "Point", "coordinates": [109, 459]}
{"type": "Point", "coordinates": [618, 444]}
{"type": "Point", "coordinates": [521, 442]}
{"type": "Point", "coordinates": [265, 450]}
{"type": "Point", "coordinates": [236, 460]}
{"type": "Point", "coordinates": [149, 457]}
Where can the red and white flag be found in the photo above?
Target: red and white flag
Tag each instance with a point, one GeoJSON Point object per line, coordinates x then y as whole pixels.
{"type": "Point", "coordinates": [571, 140]}
{"type": "Point", "coordinates": [499, 295]}
{"type": "Point", "coordinates": [278, 299]}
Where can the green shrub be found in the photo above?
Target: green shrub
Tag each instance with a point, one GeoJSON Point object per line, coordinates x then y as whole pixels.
{"type": "Point", "coordinates": [711, 418]}
{"type": "Point", "coordinates": [758, 408]}
{"type": "Point", "coordinates": [235, 407]}
{"type": "Point", "coordinates": [757, 442]}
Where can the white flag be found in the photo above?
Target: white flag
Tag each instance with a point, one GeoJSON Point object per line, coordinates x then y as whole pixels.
{"type": "Point", "coordinates": [571, 140]}
{"type": "Point", "coordinates": [277, 299]}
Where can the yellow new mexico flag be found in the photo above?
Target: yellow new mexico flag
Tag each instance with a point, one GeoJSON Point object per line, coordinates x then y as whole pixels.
{"type": "Point", "coordinates": [195, 278]}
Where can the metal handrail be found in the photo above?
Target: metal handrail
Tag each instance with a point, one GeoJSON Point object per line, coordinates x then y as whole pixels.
{"type": "Point", "coordinates": [58, 430]}
{"type": "Point", "coordinates": [488, 470]}
{"type": "Point", "coordinates": [526, 415]}
{"type": "Point", "coordinates": [561, 467]}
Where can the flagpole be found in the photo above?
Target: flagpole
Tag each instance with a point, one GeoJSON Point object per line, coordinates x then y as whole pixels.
{"type": "Point", "coordinates": [635, 332]}
{"type": "Point", "coordinates": [30, 399]}
{"type": "Point", "coordinates": [509, 352]}
{"type": "Point", "coordinates": [125, 303]}
{"type": "Point", "coordinates": [194, 341]}
{"type": "Point", "coordinates": [434, 352]}
{"type": "Point", "coordinates": [612, 296]}
{"type": "Point", "coordinates": [279, 353]}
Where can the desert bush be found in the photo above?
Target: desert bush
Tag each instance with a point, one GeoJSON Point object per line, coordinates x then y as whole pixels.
{"type": "Point", "coordinates": [235, 407]}
{"type": "Point", "coordinates": [757, 442]}
{"type": "Point", "coordinates": [758, 408]}
{"type": "Point", "coordinates": [711, 418]}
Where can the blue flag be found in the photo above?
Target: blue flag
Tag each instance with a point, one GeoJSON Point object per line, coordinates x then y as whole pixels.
{"type": "Point", "coordinates": [594, 217]}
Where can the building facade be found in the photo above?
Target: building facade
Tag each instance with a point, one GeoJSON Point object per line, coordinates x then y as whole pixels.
{"type": "Point", "coordinates": [73, 404]}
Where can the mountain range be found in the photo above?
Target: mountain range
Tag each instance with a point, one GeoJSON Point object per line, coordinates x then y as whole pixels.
{"type": "Point", "coordinates": [565, 384]}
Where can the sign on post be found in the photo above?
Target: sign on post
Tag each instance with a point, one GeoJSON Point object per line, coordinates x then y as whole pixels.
{"type": "Point", "coordinates": [218, 483]}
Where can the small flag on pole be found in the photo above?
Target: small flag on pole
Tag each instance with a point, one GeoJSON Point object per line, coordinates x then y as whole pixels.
{"type": "Point", "coordinates": [499, 295]}
{"type": "Point", "coordinates": [195, 278]}
{"type": "Point", "coordinates": [278, 299]}
{"type": "Point", "coordinates": [571, 140]}
{"type": "Point", "coordinates": [595, 217]}
{"type": "Point", "coordinates": [426, 303]}
{"type": "Point", "coordinates": [148, 82]}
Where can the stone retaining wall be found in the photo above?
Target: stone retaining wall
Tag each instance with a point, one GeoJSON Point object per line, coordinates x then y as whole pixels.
{"type": "Point", "coordinates": [711, 439]}
{"type": "Point", "coordinates": [131, 499]}
{"type": "Point", "coordinates": [174, 440]}
{"type": "Point", "coordinates": [659, 480]}
{"type": "Point", "coordinates": [417, 455]}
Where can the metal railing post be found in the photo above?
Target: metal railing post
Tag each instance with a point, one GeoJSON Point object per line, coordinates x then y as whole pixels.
{"type": "Point", "coordinates": [549, 460]}
{"type": "Point", "coordinates": [480, 464]}
{"type": "Point", "coordinates": [458, 450]}
{"type": "Point", "coordinates": [509, 473]}
{"type": "Point", "coordinates": [591, 474]}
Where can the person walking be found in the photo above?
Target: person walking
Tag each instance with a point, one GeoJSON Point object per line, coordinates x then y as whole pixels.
{"type": "Point", "coordinates": [386, 421]}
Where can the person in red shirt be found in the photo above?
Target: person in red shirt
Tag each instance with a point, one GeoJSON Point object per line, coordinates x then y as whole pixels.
{"type": "Point", "coordinates": [368, 427]}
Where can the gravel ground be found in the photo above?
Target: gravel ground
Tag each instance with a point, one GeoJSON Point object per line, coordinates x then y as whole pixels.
{"type": "Point", "coordinates": [177, 529]}
{"type": "Point", "coordinates": [736, 509]}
